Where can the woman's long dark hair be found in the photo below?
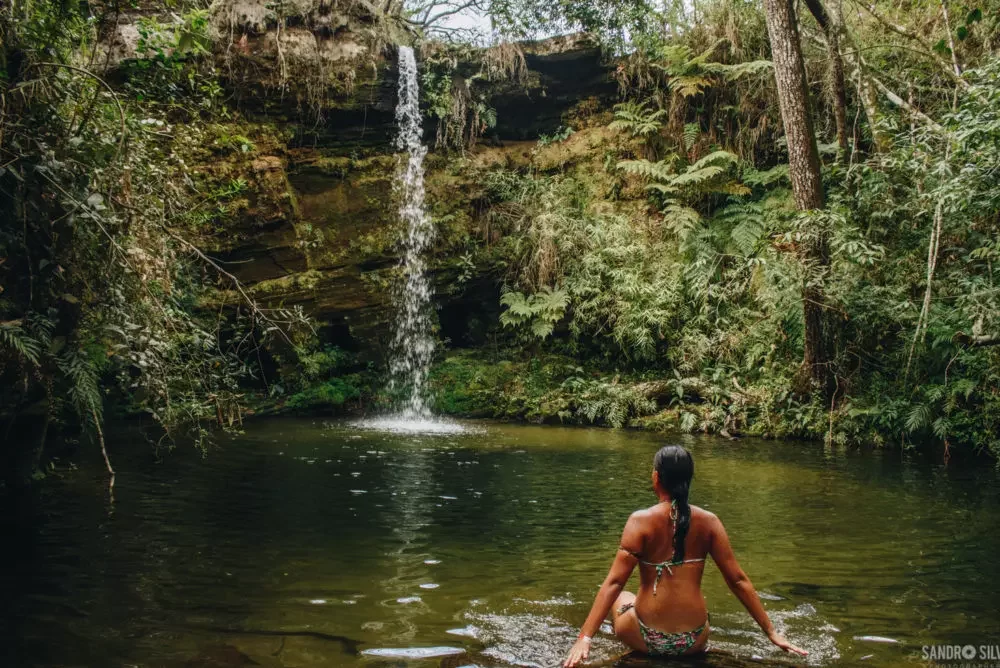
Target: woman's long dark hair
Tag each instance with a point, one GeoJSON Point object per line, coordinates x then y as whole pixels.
{"type": "Point", "coordinates": [675, 467]}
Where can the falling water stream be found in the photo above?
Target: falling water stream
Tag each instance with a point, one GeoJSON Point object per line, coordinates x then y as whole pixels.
{"type": "Point", "coordinates": [412, 347]}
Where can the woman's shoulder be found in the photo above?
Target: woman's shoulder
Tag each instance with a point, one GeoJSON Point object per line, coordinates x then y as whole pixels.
{"type": "Point", "coordinates": [706, 517]}
{"type": "Point", "coordinates": [653, 512]}
{"type": "Point", "coordinates": [658, 510]}
{"type": "Point", "coordinates": [698, 510]}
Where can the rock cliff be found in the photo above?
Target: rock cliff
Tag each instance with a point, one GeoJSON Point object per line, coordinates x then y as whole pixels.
{"type": "Point", "coordinates": [314, 94]}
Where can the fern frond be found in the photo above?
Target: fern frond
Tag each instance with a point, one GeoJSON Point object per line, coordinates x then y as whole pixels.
{"type": "Point", "coordinates": [747, 235]}
{"type": "Point", "coordinates": [15, 340]}
{"type": "Point", "coordinates": [740, 70]}
{"type": "Point", "coordinates": [702, 58]}
{"type": "Point", "coordinates": [663, 188]}
{"type": "Point", "coordinates": [637, 119]}
{"type": "Point", "coordinates": [734, 188]}
{"type": "Point", "coordinates": [767, 177]}
{"type": "Point", "coordinates": [689, 86]}
{"type": "Point", "coordinates": [918, 418]}
{"type": "Point", "coordinates": [682, 220]}
{"type": "Point", "coordinates": [656, 171]}
{"type": "Point", "coordinates": [715, 158]}
{"type": "Point", "coordinates": [84, 388]}
{"type": "Point", "coordinates": [691, 132]}
{"type": "Point", "coordinates": [697, 177]}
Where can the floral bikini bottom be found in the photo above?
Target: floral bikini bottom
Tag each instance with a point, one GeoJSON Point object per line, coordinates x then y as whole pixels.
{"type": "Point", "coordinates": [659, 643]}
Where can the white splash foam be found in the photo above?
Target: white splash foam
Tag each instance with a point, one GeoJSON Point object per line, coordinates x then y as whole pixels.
{"type": "Point", "coordinates": [413, 652]}
{"type": "Point", "coordinates": [395, 424]}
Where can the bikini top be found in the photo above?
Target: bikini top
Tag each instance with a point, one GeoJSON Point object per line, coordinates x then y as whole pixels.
{"type": "Point", "coordinates": [660, 566]}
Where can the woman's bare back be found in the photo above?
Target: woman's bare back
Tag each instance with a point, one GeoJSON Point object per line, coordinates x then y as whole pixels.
{"type": "Point", "coordinates": [669, 542]}
{"type": "Point", "coordinates": [669, 597]}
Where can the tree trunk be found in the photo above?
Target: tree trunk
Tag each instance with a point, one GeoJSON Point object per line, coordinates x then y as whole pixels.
{"type": "Point", "coordinates": [838, 91]}
{"type": "Point", "coordinates": [867, 93]}
{"type": "Point", "coordinates": [804, 169]}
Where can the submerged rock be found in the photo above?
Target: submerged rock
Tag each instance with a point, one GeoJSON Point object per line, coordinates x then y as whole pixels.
{"type": "Point", "coordinates": [220, 656]}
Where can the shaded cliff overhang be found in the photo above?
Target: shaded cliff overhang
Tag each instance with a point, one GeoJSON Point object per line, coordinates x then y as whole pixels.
{"type": "Point", "coordinates": [563, 71]}
{"type": "Point", "coordinates": [329, 71]}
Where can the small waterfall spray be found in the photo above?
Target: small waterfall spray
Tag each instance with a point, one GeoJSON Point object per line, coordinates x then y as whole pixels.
{"type": "Point", "coordinates": [413, 343]}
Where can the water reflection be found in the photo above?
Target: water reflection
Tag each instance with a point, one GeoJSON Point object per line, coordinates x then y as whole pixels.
{"type": "Point", "coordinates": [306, 545]}
{"type": "Point", "coordinates": [411, 478]}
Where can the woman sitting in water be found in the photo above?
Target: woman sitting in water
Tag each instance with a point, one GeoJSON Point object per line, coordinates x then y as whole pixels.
{"type": "Point", "coordinates": [669, 543]}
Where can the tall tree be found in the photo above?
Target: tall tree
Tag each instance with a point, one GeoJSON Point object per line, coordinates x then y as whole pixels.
{"type": "Point", "coordinates": [838, 91]}
{"type": "Point", "coordinates": [804, 168]}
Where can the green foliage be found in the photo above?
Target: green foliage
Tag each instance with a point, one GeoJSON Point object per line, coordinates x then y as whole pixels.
{"type": "Point", "coordinates": [609, 403]}
{"type": "Point", "coordinates": [458, 101]}
{"type": "Point", "coordinates": [320, 378]}
{"type": "Point", "coordinates": [560, 135]}
{"type": "Point", "coordinates": [538, 313]}
{"type": "Point", "coordinates": [689, 75]}
{"type": "Point", "coordinates": [616, 281]}
{"type": "Point", "coordinates": [18, 341]}
{"type": "Point", "coordinates": [709, 288]}
{"type": "Point", "coordinates": [170, 61]}
{"type": "Point", "coordinates": [638, 119]}
{"type": "Point", "coordinates": [543, 389]}
{"type": "Point", "coordinates": [331, 394]}
{"type": "Point", "coordinates": [615, 22]}
{"type": "Point", "coordinates": [100, 292]}
{"type": "Point", "coordinates": [323, 362]}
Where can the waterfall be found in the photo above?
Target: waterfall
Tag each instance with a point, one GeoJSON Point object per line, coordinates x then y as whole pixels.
{"type": "Point", "coordinates": [413, 342]}
{"type": "Point", "coordinates": [412, 348]}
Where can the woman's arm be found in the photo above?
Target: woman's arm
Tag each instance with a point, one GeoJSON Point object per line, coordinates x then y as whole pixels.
{"type": "Point", "coordinates": [621, 570]}
{"type": "Point", "coordinates": [740, 585]}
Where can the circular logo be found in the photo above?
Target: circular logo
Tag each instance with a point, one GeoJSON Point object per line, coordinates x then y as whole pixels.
{"type": "Point", "coordinates": [968, 652]}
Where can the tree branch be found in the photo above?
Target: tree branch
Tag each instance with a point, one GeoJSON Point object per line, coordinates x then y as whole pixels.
{"type": "Point", "coordinates": [951, 39]}
{"type": "Point", "coordinates": [251, 302]}
{"type": "Point", "coordinates": [977, 341]}
{"type": "Point", "coordinates": [450, 12]}
{"type": "Point", "coordinates": [107, 86]}
{"type": "Point", "coordinates": [945, 66]}
{"type": "Point", "coordinates": [900, 102]}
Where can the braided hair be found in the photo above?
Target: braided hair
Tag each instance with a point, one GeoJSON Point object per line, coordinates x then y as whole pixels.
{"type": "Point", "coordinates": [675, 468]}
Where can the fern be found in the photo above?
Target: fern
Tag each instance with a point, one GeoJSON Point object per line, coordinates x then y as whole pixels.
{"type": "Point", "coordinates": [637, 119]}
{"type": "Point", "coordinates": [690, 76]}
{"type": "Point", "coordinates": [941, 427]}
{"type": "Point", "coordinates": [689, 86]}
{"type": "Point", "coordinates": [739, 70]}
{"type": "Point", "coordinates": [691, 132]}
{"type": "Point", "coordinates": [658, 171]}
{"type": "Point", "coordinates": [682, 220]}
{"type": "Point", "coordinates": [768, 177]}
{"type": "Point", "coordinates": [918, 418]}
{"type": "Point", "coordinates": [720, 158]}
{"type": "Point", "coordinates": [748, 235]}
{"type": "Point", "coordinates": [84, 390]}
{"type": "Point", "coordinates": [689, 421]}
{"type": "Point", "coordinates": [696, 176]}
{"type": "Point", "coordinates": [539, 312]}
{"type": "Point", "coordinates": [609, 402]}
{"type": "Point", "coordinates": [14, 339]}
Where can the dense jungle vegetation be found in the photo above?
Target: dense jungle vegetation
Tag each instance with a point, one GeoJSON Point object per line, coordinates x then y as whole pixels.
{"type": "Point", "coordinates": [790, 242]}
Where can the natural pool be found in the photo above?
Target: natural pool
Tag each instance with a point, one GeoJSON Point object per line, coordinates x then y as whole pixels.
{"type": "Point", "coordinates": [311, 544]}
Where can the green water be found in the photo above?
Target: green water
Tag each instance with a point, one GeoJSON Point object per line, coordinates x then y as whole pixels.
{"type": "Point", "coordinates": [304, 544]}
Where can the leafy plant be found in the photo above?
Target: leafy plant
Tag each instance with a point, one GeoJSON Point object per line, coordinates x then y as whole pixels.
{"type": "Point", "coordinates": [538, 313]}
{"type": "Point", "coordinates": [560, 135]}
{"type": "Point", "coordinates": [637, 119]}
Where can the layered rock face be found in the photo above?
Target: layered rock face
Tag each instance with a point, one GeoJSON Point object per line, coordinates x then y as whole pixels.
{"type": "Point", "coordinates": [316, 226]}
